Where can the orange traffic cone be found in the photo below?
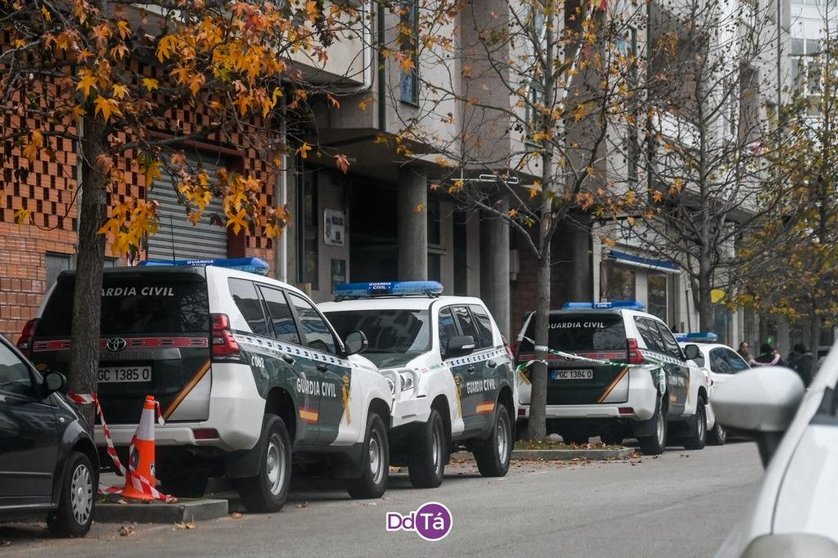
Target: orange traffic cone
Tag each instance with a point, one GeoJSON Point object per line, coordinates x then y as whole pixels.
{"type": "Point", "coordinates": [140, 480]}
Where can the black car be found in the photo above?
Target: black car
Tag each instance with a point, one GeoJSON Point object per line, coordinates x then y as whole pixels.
{"type": "Point", "coordinates": [48, 462]}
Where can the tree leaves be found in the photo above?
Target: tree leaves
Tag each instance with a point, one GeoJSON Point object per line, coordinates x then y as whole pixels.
{"type": "Point", "coordinates": [106, 107]}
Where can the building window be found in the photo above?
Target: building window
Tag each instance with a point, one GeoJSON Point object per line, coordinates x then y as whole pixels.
{"type": "Point", "coordinates": [657, 295]}
{"type": "Point", "coordinates": [619, 283]}
{"type": "Point", "coordinates": [308, 248]}
{"type": "Point", "coordinates": [55, 264]}
{"type": "Point", "coordinates": [409, 39]}
{"type": "Point", "coordinates": [805, 66]}
{"type": "Point", "coordinates": [534, 117]}
{"type": "Point", "coordinates": [435, 249]}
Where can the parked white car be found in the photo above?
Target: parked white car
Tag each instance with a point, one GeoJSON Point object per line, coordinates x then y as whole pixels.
{"type": "Point", "coordinates": [719, 362]}
{"type": "Point", "coordinates": [797, 433]}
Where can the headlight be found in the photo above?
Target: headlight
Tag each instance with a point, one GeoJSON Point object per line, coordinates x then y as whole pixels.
{"type": "Point", "coordinates": [407, 381]}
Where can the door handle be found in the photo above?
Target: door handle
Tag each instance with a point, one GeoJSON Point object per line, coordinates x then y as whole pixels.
{"type": "Point", "coordinates": [288, 358]}
{"type": "Point", "coordinates": [470, 369]}
{"type": "Point", "coordinates": [491, 364]}
{"type": "Point", "coordinates": [322, 367]}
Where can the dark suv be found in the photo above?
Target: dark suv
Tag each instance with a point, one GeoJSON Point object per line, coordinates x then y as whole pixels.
{"type": "Point", "coordinates": [48, 463]}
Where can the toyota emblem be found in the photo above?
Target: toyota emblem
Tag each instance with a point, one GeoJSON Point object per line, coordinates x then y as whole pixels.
{"type": "Point", "coordinates": [116, 344]}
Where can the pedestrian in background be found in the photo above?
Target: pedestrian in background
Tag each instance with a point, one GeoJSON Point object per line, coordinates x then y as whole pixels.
{"type": "Point", "coordinates": [767, 356]}
{"type": "Point", "coordinates": [802, 363]}
{"type": "Point", "coordinates": [744, 352]}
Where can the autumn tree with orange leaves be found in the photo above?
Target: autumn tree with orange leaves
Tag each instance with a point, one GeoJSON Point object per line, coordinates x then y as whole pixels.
{"type": "Point", "coordinates": [528, 92]}
{"type": "Point", "coordinates": [108, 76]}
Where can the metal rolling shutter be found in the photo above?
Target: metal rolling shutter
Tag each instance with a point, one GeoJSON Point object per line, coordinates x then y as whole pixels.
{"type": "Point", "coordinates": [177, 237]}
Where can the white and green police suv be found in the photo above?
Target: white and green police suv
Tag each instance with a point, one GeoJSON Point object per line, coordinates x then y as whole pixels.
{"type": "Point", "coordinates": [245, 368]}
{"type": "Point", "coordinates": [448, 368]}
{"type": "Point", "coordinates": [621, 374]}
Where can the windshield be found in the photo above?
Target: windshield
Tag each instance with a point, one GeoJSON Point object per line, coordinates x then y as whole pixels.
{"type": "Point", "coordinates": [395, 336]}
{"type": "Point", "coordinates": [582, 332]}
{"type": "Point", "coordinates": [139, 304]}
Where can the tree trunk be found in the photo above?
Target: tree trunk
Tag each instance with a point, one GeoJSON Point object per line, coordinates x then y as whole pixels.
{"type": "Point", "coordinates": [815, 337]}
{"type": "Point", "coordinates": [704, 304]}
{"type": "Point", "coordinates": [84, 338]}
{"type": "Point", "coordinates": [537, 426]}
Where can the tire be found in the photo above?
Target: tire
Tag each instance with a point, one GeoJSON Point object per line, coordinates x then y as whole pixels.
{"type": "Point", "coordinates": [428, 453]}
{"type": "Point", "coordinates": [655, 444]}
{"type": "Point", "coordinates": [268, 490]}
{"type": "Point", "coordinates": [74, 514]}
{"type": "Point", "coordinates": [494, 453]}
{"type": "Point", "coordinates": [696, 437]}
{"type": "Point", "coordinates": [717, 436]}
{"type": "Point", "coordinates": [184, 484]}
{"type": "Point", "coordinates": [376, 462]}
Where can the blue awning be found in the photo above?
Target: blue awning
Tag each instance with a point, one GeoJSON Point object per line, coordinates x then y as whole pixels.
{"type": "Point", "coordinates": [651, 264]}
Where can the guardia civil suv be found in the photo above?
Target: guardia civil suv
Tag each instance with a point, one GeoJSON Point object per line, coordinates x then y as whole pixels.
{"type": "Point", "coordinates": [621, 374]}
{"type": "Point", "coordinates": [448, 368]}
{"type": "Point", "coordinates": [245, 368]}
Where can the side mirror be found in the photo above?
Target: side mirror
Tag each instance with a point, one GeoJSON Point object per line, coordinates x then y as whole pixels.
{"type": "Point", "coordinates": [356, 342]}
{"type": "Point", "coordinates": [692, 352]}
{"type": "Point", "coordinates": [760, 401]}
{"type": "Point", "coordinates": [54, 381]}
{"type": "Point", "coordinates": [459, 346]}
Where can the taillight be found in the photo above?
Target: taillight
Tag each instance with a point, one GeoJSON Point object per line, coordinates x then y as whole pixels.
{"type": "Point", "coordinates": [513, 349]}
{"type": "Point", "coordinates": [24, 343]}
{"type": "Point", "coordinates": [224, 345]}
{"type": "Point", "coordinates": [633, 352]}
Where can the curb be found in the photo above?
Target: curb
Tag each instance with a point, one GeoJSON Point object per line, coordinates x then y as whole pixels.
{"type": "Point", "coordinates": [186, 511]}
{"type": "Point", "coordinates": [570, 454]}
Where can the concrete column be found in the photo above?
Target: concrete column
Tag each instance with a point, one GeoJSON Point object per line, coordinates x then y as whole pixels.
{"type": "Point", "coordinates": [412, 214]}
{"type": "Point", "coordinates": [494, 269]}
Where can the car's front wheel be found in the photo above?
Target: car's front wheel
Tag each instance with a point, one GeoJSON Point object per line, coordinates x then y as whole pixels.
{"type": "Point", "coordinates": [376, 462]}
{"type": "Point", "coordinates": [74, 514]}
{"type": "Point", "coordinates": [494, 453]}
{"type": "Point", "coordinates": [267, 491]}
{"type": "Point", "coordinates": [717, 436]}
{"type": "Point", "coordinates": [428, 453]}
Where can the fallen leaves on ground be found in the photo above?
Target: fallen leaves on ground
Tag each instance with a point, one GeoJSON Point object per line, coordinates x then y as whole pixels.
{"type": "Point", "coordinates": [183, 525]}
{"type": "Point", "coordinates": [127, 530]}
{"type": "Point", "coordinates": [302, 505]}
{"type": "Point", "coordinates": [237, 515]}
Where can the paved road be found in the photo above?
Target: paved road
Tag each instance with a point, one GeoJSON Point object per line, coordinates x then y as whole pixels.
{"type": "Point", "coordinates": [682, 503]}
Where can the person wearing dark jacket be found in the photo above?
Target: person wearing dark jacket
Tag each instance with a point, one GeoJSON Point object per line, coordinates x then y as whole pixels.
{"type": "Point", "coordinates": [803, 363]}
{"type": "Point", "coordinates": [767, 357]}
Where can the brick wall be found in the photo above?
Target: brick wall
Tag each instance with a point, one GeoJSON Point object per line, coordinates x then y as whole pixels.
{"type": "Point", "coordinates": [47, 188]}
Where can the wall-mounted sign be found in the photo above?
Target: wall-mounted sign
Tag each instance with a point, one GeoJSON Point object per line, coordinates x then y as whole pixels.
{"type": "Point", "coordinates": [334, 227]}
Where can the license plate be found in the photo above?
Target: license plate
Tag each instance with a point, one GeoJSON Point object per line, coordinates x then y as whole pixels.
{"type": "Point", "coordinates": [118, 374]}
{"type": "Point", "coordinates": [579, 374]}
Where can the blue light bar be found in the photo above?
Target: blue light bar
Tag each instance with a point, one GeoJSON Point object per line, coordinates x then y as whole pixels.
{"type": "Point", "coordinates": [388, 288]}
{"type": "Point", "coordinates": [617, 304]}
{"type": "Point", "coordinates": [251, 265]}
{"type": "Point", "coordinates": [698, 337]}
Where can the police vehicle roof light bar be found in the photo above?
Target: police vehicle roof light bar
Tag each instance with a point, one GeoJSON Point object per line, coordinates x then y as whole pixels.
{"type": "Point", "coordinates": [697, 337]}
{"type": "Point", "coordinates": [616, 304]}
{"type": "Point", "coordinates": [388, 288]}
{"type": "Point", "coordinates": [251, 265]}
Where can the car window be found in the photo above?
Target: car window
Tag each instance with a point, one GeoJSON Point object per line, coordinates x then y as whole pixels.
{"type": "Point", "coordinates": [719, 363]}
{"type": "Point", "coordinates": [484, 325]}
{"type": "Point", "coordinates": [467, 325]}
{"type": "Point", "coordinates": [669, 343]}
{"type": "Point", "coordinates": [279, 314]}
{"type": "Point", "coordinates": [447, 328]}
{"type": "Point", "coordinates": [15, 376]}
{"type": "Point", "coordinates": [249, 304]}
{"type": "Point", "coordinates": [580, 332]}
{"type": "Point", "coordinates": [316, 333]}
{"type": "Point", "coordinates": [736, 362]}
{"type": "Point", "coordinates": [650, 334]}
